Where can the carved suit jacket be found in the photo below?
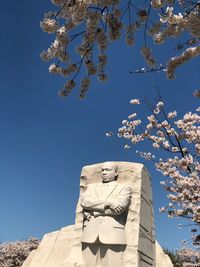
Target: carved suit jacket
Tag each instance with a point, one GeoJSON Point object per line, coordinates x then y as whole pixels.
{"type": "Point", "coordinates": [100, 222]}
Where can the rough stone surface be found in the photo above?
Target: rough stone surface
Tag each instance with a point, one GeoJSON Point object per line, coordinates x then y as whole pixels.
{"type": "Point", "coordinates": [63, 248]}
{"type": "Point", "coordinates": [162, 259]}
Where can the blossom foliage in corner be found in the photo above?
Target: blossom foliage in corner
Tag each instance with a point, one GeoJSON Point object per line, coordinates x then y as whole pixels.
{"type": "Point", "coordinates": [15, 253]}
{"type": "Point", "coordinates": [178, 141]}
{"type": "Point", "coordinates": [95, 24]}
{"type": "Point", "coordinates": [189, 256]}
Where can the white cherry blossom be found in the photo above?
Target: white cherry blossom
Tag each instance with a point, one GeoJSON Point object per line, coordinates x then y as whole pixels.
{"type": "Point", "coordinates": [180, 141]}
{"type": "Point", "coordinates": [96, 24]}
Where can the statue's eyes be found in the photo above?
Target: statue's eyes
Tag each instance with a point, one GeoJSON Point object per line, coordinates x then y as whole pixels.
{"type": "Point", "coordinates": [106, 170]}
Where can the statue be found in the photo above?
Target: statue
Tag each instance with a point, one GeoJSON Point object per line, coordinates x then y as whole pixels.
{"type": "Point", "coordinates": [114, 224]}
{"type": "Point", "coordinates": [105, 207]}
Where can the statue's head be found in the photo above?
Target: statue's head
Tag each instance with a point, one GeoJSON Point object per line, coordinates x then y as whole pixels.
{"type": "Point", "coordinates": [109, 172]}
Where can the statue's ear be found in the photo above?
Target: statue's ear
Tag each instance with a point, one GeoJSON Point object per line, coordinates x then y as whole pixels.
{"type": "Point", "coordinates": [116, 172]}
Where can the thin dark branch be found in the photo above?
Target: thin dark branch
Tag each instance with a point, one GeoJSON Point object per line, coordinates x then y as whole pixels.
{"type": "Point", "coordinates": [76, 35]}
{"type": "Point", "coordinates": [143, 70]}
{"type": "Point", "coordinates": [151, 109]}
{"type": "Point", "coordinates": [134, 6]}
{"type": "Point", "coordinates": [145, 27]}
{"type": "Point", "coordinates": [80, 64]}
{"type": "Point", "coordinates": [61, 8]}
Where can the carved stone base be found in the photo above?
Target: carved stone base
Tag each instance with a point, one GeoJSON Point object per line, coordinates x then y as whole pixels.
{"type": "Point", "coordinates": [64, 249]}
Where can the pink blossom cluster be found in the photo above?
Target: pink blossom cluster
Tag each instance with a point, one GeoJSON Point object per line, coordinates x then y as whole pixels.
{"type": "Point", "coordinates": [13, 254]}
{"type": "Point", "coordinates": [98, 23]}
{"type": "Point", "coordinates": [178, 141]}
{"type": "Point", "coordinates": [188, 255]}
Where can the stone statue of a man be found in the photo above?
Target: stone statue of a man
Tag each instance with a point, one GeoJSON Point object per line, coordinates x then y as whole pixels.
{"type": "Point", "coordinates": [105, 207]}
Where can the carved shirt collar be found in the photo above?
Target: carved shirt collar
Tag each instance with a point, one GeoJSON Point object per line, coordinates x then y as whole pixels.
{"type": "Point", "coordinates": [112, 183]}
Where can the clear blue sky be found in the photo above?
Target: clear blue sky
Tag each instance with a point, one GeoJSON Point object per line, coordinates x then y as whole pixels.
{"type": "Point", "coordinates": [45, 140]}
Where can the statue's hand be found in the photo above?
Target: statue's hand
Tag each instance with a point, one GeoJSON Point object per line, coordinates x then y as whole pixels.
{"type": "Point", "coordinates": [112, 206]}
{"type": "Point", "coordinates": [107, 205]}
{"type": "Point", "coordinates": [116, 208]}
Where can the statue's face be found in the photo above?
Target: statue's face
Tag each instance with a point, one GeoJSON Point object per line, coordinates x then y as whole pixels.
{"type": "Point", "coordinates": [108, 173]}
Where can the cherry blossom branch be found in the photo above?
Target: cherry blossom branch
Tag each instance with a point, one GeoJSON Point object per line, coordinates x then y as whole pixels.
{"type": "Point", "coordinates": [183, 169]}
{"type": "Point", "coordinates": [108, 20]}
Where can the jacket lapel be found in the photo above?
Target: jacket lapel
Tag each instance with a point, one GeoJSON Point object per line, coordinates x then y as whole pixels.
{"type": "Point", "coordinates": [110, 190]}
{"type": "Point", "coordinates": [105, 191]}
